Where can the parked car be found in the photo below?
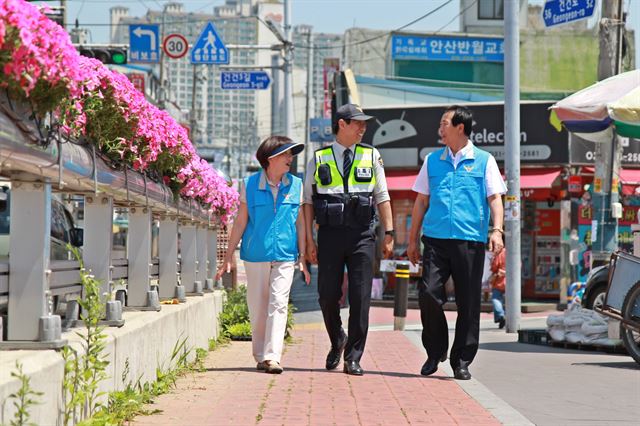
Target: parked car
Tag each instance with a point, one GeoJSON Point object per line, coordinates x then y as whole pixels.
{"type": "Point", "coordinates": [63, 229]}
{"type": "Point", "coordinates": [596, 288]}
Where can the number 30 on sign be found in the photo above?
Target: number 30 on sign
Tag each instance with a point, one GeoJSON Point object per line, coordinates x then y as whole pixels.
{"type": "Point", "coordinates": [175, 46]}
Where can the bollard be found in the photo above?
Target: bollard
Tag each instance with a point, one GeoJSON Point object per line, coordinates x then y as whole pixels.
{"type": "Point", "coordinates": [181, 294]}
{"type": "Point", "coordinates": [401, 296]}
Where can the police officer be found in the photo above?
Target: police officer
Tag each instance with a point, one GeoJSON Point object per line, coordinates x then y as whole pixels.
{"type": "Point", "coordinates": [343, 184]}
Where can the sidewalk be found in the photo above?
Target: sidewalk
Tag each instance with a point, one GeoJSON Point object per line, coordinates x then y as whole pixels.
{"type": "Point", "coordinates": [391, 392]}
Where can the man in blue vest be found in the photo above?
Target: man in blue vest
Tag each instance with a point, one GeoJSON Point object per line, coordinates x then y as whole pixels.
{"type": "Point", "coordinates": [344, 182]}
{"type": "Point", "coordinates": [459, 190]}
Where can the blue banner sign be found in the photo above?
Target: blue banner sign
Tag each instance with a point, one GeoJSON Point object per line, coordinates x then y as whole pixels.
{"type": "Point", "coordinates": [256, 80]}
{"type": "Point", "coordinates": [427, 48]}
{"type": "Point", "coordinates": [320, 130]}
{"type": "Point", "coordinates": [558, 12]}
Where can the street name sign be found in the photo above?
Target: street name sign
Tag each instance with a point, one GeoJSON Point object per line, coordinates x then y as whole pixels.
{"type": "Point", "coordinates": [175, 46]}
{"type": "Point", "coordinates": [209, 48]}
{"type": "Point", "coordinates": [144, 43]}
{"type": "Point", "coordinates": [558, 12]}
{"type": "Point", "coordinates": [253, 80]}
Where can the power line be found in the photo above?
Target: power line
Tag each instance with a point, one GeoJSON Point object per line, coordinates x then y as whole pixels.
{"type": "Point", "coordinates": [458, 15]}
{"type": "Point", "coordinates": [385, 34]}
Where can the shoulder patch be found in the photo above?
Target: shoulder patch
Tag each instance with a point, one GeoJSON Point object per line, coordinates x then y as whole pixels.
{"type": "Point", "coordinates": [380, 161]}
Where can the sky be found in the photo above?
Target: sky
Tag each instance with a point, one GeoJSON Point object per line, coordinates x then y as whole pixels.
{"type": "Point", "coordinates": [328, 16]}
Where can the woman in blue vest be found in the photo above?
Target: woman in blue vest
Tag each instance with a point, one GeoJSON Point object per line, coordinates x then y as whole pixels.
{"type": "Point", "coordinates": [273, 241]}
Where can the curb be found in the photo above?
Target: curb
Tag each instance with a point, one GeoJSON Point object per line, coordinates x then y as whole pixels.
{"type": "Point", "coordinates": [500, 409]}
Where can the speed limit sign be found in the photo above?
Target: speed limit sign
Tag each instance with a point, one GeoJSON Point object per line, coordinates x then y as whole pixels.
{"type": "Point", "coordinates": [175, 46]}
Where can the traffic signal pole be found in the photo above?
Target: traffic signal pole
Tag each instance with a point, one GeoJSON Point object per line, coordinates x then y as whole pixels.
{"type": "Point", "coordinates": [605, 199]}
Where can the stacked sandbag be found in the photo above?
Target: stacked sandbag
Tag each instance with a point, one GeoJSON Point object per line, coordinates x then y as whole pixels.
{"type": "Point", "coordinates": [555, 327]}
{"type": "Point", "coordinates": [579, 325]}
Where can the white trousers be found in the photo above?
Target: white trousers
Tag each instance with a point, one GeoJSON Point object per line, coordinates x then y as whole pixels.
{"type": "Point", "coordinates": [268, 286]}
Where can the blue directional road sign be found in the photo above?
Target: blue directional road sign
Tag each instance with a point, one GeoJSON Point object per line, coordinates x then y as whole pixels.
{"type": "Point", "coordinates": [209, 49]}
{"type": "Point", "coordinates": [558, 12]}
{"type": "Point", "coordinates": [144, 43]}
{"type": "Point", "coordinates": [256, 80]}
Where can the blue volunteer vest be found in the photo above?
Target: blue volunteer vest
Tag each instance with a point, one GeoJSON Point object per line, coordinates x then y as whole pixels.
{"type": "Point", "coordinates": [458, 206]}
{"type": "Point", "coordinates": [271, 233]}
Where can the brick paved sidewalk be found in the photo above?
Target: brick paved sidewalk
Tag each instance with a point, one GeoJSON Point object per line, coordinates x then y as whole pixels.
{"type": "Point", "coordinates": [232, 392]}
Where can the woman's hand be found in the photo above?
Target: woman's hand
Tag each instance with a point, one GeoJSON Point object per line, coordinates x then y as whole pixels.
{"type": "Point", "coordinates": [225, 266]}
{"type": "Point", "coordinates": [303, 268]}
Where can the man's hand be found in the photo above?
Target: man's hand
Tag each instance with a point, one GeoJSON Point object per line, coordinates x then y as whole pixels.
{"type": "Point", "coordinates": [311, 252]}
{"type": "Point", "coordinates": [387, 246]}
{"type": "Point", "coordinates": [413, 252]}
{"type": "Point", "coordinates": [495, 242]}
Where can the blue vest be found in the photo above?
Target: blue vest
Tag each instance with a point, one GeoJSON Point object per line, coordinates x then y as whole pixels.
{"type": "Point", "coordinates": [271, 233]}
{"type": "Point", "coordinates": [458, 206]}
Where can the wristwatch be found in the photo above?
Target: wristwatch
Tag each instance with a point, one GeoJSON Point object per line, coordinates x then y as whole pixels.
{"type": "Point", "coordinates": [390, 232]}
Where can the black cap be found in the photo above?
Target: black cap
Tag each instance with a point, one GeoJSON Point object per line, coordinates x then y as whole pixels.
{"type": "Point", "coordinates": [352, 112]}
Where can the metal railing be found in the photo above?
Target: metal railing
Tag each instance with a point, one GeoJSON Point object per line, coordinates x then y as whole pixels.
{"type": "Point", "coordinates": [29, 279]}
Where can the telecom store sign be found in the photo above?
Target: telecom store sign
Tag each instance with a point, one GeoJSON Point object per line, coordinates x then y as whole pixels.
{"type": "Point", "coordinates": [428, 48]}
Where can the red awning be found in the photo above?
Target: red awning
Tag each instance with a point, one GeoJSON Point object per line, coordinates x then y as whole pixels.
{"type": "Point", "coordinates": [630, 176]}
{"type": "Point", "coordinates": [542, 178]}
{"type": "Point", "coordinates": [538, 178]}
{"type": "Point", "coordinates": [401, 181]}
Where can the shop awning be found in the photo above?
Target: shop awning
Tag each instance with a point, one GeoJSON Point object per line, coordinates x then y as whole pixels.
{"type": "Point", "coordinates": [542, 178]}
{"type": "Point", "coordinates": [538, 178]}
{"type": "Point", "coordinates": [629, 178]}
{"type": "Point", "coordinates": [397, 181]}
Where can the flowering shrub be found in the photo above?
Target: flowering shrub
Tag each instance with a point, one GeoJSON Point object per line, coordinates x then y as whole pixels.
{"type": "Point", "coordinates": [38, 61]}
{"type": "Point", "coordinates": [40, 65]}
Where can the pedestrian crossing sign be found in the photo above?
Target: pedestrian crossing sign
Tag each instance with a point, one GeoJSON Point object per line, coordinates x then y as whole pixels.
{"type": "Point", "coordinates": [209, 49]}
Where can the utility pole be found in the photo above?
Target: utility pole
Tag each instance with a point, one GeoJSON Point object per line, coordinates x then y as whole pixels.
{"type": "Point", "coordinates": [162, 91]}
{"type": "Point", "coordinates": [605, 197]}
{"type": "Point", "coordinates": [307, 150]}
{"type": "Point", "coordinates": [513, 209]}
{"type": "Point", "coordinates": [63, 6]}
{"type": "Point", "coordinates": [288, 78]}
{"type": "Point", "coordinates": [193, 117]}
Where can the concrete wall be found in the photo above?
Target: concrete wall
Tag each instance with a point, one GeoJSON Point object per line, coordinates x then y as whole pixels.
{"type": "Point", "coordinates": [146, 340]}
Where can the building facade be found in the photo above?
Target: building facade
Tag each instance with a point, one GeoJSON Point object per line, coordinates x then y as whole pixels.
{"type": "Point", "coordinates": [225, 125]}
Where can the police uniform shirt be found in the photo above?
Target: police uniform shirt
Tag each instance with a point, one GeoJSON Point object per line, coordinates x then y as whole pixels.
{"type": "Point", "coordinates": [380, 193]}
{"type": "Point", "coordinates": [494, 184]}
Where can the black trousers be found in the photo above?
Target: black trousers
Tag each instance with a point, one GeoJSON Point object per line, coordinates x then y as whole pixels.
{"type": "Point", "coordinates": [355, 248]}
{"type": "Point", "coordinates": [464, 262]}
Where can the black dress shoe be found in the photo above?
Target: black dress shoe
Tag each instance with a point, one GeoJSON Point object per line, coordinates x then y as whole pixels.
{"type": "Point", "coordinates": [501, 323]}
{"type": "Point", "coordinates": [461, 373]}
{"type": "Point", "coordinates": [334, 355]}
{"type": "Point", "coordinates": [353, 368]}
{"type": "Point", "coordinates": [431, 365]}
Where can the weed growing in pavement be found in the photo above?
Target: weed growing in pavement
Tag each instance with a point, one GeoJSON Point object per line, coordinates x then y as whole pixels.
{"type": "Point", "coordinates": [25, 398]}
{"type": "Point", "coordinates": [83, 374]}
{"type": "Point", "coordinates": [124, 405]}
{"type": "Point", "coordinates": [214, 344]}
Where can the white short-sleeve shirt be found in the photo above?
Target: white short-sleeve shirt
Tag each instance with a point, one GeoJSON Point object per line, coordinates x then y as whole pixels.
{"type": "Point", "coordinates": [493, 182]}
